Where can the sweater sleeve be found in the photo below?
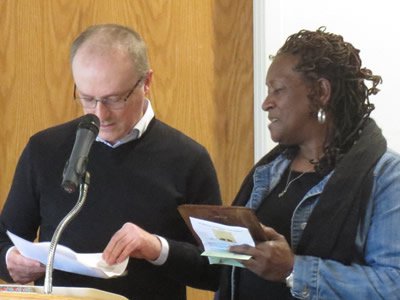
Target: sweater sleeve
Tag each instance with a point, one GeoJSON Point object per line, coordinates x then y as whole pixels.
{"type": "Point", "coordinates": [202, 182]}
{"type": "Point", "coordinates": [20, 214]}
{"type": "Point", "coordinates": [5, 244]}
{"type": "Point", "coordinates": [184, 260]}
{"type": "Point", "coordinates": [187, 266]}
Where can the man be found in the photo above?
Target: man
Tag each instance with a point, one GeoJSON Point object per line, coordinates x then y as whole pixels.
{"type": "Point", "coordinates": [141, 170]}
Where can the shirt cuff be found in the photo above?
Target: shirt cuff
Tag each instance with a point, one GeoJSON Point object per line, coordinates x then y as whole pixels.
{"type": "Point", "coordinates": [164, 252]}
{"type": "Point", "coordinates": [8, 252]}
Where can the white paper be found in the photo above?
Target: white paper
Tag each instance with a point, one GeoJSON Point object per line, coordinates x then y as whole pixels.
{"type": "Point", "coordinates": [217, 238]}
{"type": "Point", "coordinates": [90, 264]}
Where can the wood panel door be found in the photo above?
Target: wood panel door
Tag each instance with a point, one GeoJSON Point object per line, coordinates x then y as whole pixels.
{"type": "Point", "coordinates": [200, 51]}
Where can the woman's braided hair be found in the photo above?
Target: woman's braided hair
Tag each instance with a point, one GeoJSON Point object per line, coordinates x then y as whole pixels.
{"type": "Point", "coordinates": [327, 55]}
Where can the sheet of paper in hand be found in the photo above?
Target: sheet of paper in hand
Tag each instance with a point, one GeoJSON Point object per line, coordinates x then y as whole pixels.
{"type": "Point", "coordinates": [89, 264]}
{"type": "Point", "coordinates": [217, 228]}
{"type": "Point", "coordinates": [217, 238]}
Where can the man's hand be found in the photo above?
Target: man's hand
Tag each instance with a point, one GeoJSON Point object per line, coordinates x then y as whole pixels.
{"type": "Point", "coordinates": [272, 260]}
{"type": "Point", "coordinates": [23, 270]}
{"type": "Point", "coordinates": [133, 241]}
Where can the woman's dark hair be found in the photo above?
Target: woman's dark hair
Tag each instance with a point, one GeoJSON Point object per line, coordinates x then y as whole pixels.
{"type": "Point", "coordinates": [326, 55]}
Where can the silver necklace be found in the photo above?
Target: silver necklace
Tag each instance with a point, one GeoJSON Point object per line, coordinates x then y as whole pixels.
{"type": "Point", "coordinates": [289, 182]}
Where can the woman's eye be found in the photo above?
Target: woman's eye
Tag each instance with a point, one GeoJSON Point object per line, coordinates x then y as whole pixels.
{"type": "Point", "coordinates": [275, 91]}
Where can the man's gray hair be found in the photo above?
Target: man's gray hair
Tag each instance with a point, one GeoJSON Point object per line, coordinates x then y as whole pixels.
{"type": "Point", "coordinates": [113, 36]}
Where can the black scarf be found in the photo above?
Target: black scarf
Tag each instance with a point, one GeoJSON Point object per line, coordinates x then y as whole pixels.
{"type": "Point", "coordinates": [332, 227]}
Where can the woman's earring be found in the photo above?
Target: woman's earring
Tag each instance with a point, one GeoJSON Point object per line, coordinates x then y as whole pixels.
{"type": "Point", "coordinates": [321, 116]}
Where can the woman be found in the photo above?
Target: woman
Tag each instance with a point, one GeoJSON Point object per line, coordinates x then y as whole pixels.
{"type": "Point", "coordinates": [329, 193]}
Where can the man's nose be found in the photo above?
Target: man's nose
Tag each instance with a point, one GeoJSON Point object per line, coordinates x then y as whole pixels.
{"type": "Point", "coordinates": [101, 110]}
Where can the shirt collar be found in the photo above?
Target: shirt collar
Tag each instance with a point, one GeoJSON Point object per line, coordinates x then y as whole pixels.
{"type": "Point", "coordinates": [137, 131]}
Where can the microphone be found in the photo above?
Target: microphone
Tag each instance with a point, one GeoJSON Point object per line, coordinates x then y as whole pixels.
{"type": "Point", "coordinates": [75, 167]}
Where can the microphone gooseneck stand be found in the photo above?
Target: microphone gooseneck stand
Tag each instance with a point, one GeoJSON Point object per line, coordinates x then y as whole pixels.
{"type": "Point", "coordinates": [83, 188]}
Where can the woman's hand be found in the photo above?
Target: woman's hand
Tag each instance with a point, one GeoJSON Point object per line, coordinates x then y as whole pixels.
{"type": "Point", "coordinates": [272, 260]}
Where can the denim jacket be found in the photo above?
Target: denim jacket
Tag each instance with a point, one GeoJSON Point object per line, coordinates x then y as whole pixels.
{"type": "Point", "coordinates": [378, 238]}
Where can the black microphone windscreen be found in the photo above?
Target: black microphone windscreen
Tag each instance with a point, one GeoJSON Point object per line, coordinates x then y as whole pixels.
{"type": "Point", "coordinates": [75, 167]}
{"type": "Point", "coordinates": [91, 122]}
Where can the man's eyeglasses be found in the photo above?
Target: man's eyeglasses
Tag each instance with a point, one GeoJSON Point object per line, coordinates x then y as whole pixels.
{"type": "Point", "coordinates": [113, 102]}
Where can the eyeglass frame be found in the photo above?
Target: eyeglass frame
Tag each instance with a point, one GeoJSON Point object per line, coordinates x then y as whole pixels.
{"type": "Point", "coordinates": [104, 100]}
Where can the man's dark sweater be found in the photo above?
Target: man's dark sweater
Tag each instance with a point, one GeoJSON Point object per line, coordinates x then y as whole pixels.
{"type": "Point", "coordinates": [142, 182]}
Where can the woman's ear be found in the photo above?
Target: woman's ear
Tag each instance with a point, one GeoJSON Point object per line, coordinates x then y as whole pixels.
{"type": "Point", "coordinates": [324, 86]}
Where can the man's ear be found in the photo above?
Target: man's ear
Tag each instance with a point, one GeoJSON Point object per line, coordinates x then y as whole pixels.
{"type": "Point", "coordinates": [324, 86]}
{"type": "Point", "coordinates": [147, 81]}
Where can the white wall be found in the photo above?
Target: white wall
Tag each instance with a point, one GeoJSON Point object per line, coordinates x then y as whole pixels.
{"type": "Point", "coordinates": [371, 26]}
